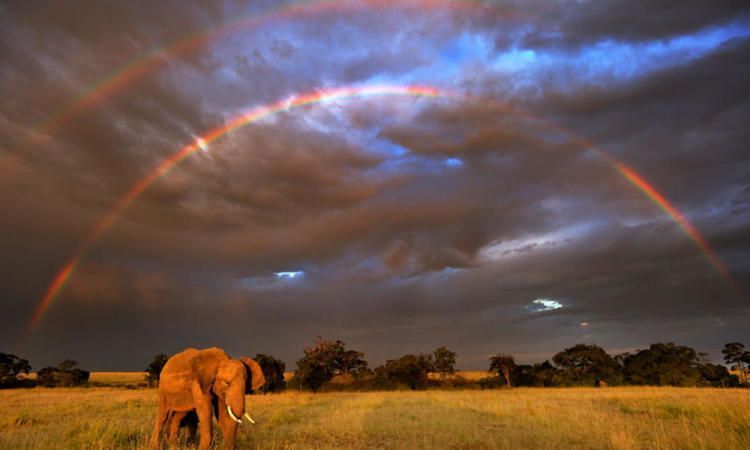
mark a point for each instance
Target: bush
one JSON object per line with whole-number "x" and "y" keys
{"x": 64, "y": 375}
{"x": 409, "y": 370}
{"x": 717, "y": 376}
{"x": 10, "y": 367}
{"x": 492, "y": 383}
{"x": 326, "y": 359}
{"x": 586, "y": 365}
{"x": 663, "y": 364}
{"x": 273, "y": 371}
{"x": 154, "y": 369}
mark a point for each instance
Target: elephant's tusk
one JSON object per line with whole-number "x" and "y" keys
{"x": 249, "y": 418}
{"x": 231, "y": 414}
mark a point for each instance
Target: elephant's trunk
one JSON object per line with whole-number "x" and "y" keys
{"x": 233, "y": 416}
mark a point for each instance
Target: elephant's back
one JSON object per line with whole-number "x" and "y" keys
{"x": 179, "y": 361}
{"x": 189, "y": 360}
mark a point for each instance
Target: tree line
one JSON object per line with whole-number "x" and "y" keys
{"x": 330, "y": 365}
{"x": 13, "y": 369}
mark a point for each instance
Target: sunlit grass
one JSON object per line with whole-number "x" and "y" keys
{"x": 619, "y": 418}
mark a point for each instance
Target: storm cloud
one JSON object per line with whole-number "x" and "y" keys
{"x": 409, "y": 222}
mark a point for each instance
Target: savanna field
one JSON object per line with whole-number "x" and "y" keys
{"x": 110, "y": 414}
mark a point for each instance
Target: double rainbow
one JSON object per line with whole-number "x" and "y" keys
{"x": 258, "y": 113}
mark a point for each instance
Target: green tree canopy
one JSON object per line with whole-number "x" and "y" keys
{"x": 444, "y": 360}
{"x": 587, "y": 364}
{"x": 663, "y": 364}
{"x": 324, "y": 360}
{"x": 410, "y": 370}
{"x": 504, "y": 365}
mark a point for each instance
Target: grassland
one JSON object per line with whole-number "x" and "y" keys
{"x": 619, "y": 418}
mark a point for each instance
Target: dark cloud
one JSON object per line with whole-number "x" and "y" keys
{"x": 415, "y": 222}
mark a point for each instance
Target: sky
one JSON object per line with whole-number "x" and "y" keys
{"x": 488, "y": 212}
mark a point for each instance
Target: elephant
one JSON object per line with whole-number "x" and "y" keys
{"x": 209, "y": 382}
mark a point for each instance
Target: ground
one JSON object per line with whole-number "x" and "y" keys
{"x": 620, "y": 418}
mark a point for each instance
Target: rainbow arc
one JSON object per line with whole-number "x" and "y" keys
{"x": 350, "y": 92}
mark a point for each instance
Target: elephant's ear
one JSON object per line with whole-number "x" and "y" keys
{"x": 256, "y": 378}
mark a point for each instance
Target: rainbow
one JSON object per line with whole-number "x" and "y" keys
{"x": 140, "y": 67}
{"x": 253, "y": 115}
{"x": 261, "y": 112}
{"x": 690, "y": 230}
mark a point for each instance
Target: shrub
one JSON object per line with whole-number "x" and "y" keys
{"x": 154, "y": 368}
{"x": 273, "y": 371}
{"x": 324, "y": 360}
{"x": 409, "y": 370}
{"x": 65, "y": 374}
{"x": 587, "y": 365}
{"x": 663, "y": 364}
{"x": 10, "y": 367}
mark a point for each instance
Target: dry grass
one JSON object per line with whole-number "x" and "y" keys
{"x": 618, "y": 418}
{"x": 112, "y": 379}
{"x": 117, "y": 378}
{"x": 469, "y": 375}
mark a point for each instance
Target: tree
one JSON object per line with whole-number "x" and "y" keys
{"x": 445, "y": 361}
{"x": 410, "y": 370}
{"x": 523, "y": 375}
{"x": 588, "y": 364}
{"x": 504, "y": 365}
{"x": 663, "y": 364}
{"x": 67, "y": 365}
{"x": 154, "y": 368}
{"x": 717, "y": 375}
{"x": 65, "y": 374}
{"x": 324, "y": 360}
{"x": 739, "y": 359}
{"x": 352, "y": 362}
{"x": 547, "y": 375}
{"x": 273, "y": 371}
{"x": 10, "y": 367}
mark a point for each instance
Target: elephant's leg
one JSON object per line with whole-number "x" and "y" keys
{"x": 205, "y": 417}
{"x": 227, "y": 425}
{"x": 173, "y": 430}
{"x": 161, "y": 418}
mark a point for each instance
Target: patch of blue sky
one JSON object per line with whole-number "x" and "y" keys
{"x": 453, "y": 162}
{"x": 466, "y": 47}
{"x": 612, "y": 60}
{"x": 515, "y": 59}
{"x": 410, "y": 163}
{"x": 449, "y": 62}
{"x": 389, "y": 148}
